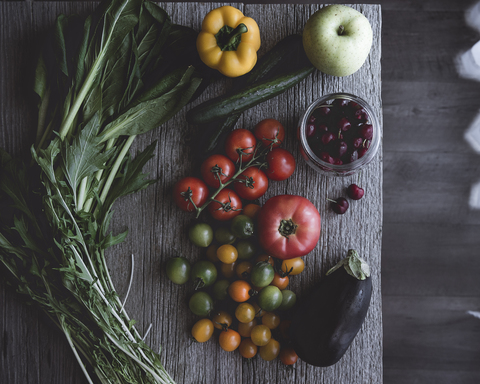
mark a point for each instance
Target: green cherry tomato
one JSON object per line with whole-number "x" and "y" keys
{"x": 262, "y": 274}
{"x": 242, "y": 226}
{"x": 201, "y": 234}
{"x": 201, "y": 303}
{"x": 288, "y": 300}
{"x": 246, "y": 249}
{"x": 203, "y": 274}
{"x": 220, "y": 289}
{"x": 270, "y": 298}
{"x": 178, "y": 270}
{"x": 224, "y": 235}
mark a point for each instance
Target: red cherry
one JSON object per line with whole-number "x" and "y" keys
{"x": 340, "y": 205}
{"x": 355, "y": 192}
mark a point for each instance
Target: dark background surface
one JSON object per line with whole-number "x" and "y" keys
{"x": 430, "y": 253}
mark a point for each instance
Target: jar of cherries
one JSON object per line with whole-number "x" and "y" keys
{"x": 339, "y": 134}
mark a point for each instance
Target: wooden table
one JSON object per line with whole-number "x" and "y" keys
{"x": 34, "y": 352}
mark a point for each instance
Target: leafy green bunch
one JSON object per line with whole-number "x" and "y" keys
{"x": 101, "y": 80}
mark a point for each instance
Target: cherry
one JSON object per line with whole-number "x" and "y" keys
{"x": 339, "y": 206}
{"x": 366, "y": 131}
{"x": 322, "y": 128}
{"x": 339, "y": 148}
{"x": 324, "y": 111}
{"x": 344, "y": 124}
{"x": 357, "y": 142}
{"x": 310, "y": 131}
{"x": 327, "y": 137}
{"x": 361, "y": 114}
{"x": 355, "y": 192}
{"x": 324, "y": 156}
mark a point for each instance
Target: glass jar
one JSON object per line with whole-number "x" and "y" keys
{"x": 329, "y": 165}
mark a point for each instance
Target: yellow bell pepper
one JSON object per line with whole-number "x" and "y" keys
{"x": 229, "y": 41}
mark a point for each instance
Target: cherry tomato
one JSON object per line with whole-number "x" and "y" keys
{"x": 212, "y": 253}
{"x": 243, "y": 270}
{"x": 246, "y": 249}
{"x": 200, "y": 234}
{"x": 187, "y": 190}
{"x": 267, "y": 258}
{"x": 222, "y": 320}
{"x": 259, "y": 312}
{"x": 269, "y": 132}
{"x": 247, "y": 349}
{"x": 288, "y": 356}
{"x": 201, "y": 303}
{"x": 245, "y": 312}
{"x": 279, "y": 281}
{"x": 226, "y": 205}
{"x": 271, "y": 320}
{"x": 270, "y": 298}
{"x": 242, "y": 226}
{"x": 283, "y": 328}
{"x": 270, "y": 351}
{"x": 224, "y": 235}
{"x": 281, "y": 164}
{"x": 261, "y": 335}
{"x": 288, "y": 300}
{"x": 202, "y": 330}
{"x": 293, "y": 266}
{"x": 239, "y": 291}
{"x": 288, "y": 226}
{"x": 227, "y": 253}
{"x": 220, "y": 289}
{"x": 262, "y": 274}
{"x": 215, "y": 168}
{"x": 178, "y": 270}
{"x": 251, "y": 210}
{"x": 203, "y": 274}
{"x": 252, "y": 184}
{"x": 229, "y": 340}
{"x": 228, "y": 270}
{"x": 245, "y": 329}
{"x": 240, "y": 143}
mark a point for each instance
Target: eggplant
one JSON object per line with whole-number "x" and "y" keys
{"x": 327, "y": 320}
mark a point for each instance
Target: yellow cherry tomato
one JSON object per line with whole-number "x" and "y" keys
{"x": 261, "y": 335}
{"x": 245, "y": 312}
{"x": 293, "y": 266}
{"x": 202, "y": 330}
{"x": 227, "y": 253}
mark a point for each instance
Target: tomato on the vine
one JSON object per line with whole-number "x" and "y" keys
{"x": 188, "y": 190}
{"x": 240, "y": 142}
{"x": 215, "y": 168}
{"x": 225, "y": 206}
{"x": 269, "y": 132}
{"x": 288, "y": 226}
{"x": 252, "y": 184}
{"x": 280, "y": 164}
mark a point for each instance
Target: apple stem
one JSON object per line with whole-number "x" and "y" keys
{"x": 341, "y": 29}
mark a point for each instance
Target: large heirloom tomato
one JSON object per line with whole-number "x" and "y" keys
{"x": 288, "y": 226}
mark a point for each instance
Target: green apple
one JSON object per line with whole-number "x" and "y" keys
{"x": 337, "y": 40}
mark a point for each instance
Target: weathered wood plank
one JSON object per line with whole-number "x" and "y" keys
{"x": 158, "y": 229}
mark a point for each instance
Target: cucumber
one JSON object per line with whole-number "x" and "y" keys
{"x": 224, "y": 106}
{"x": 211, "y": 136}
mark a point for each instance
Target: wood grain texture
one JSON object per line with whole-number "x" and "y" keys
{"x": 157, "y": 229}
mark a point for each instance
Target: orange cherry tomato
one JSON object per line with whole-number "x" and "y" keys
{"x": 243, "y": 270}
{"x": 279, "y": 281}
{"x": 229, "y": 340}
{"x": 239, "y": 291}
{"x": 245, "y": 329}
{"x": 227, "y": 270}
{"x": 202, "y": 330}
{"x": 293, "y": 266}
{"x": 222, "y": 320}
{"x": 288, "y": 356}
{"x": 247, "y": 349}
{"x": 251, "y": 210}
{"x": 271, "y": 320}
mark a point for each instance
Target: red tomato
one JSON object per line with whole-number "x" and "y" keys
{"x": 288, "y": 226}
{"x": 269, "y": 132}
{"x": 217, "y": 167}
{"x": 225, "y": 206}
{"x": 187, "y": 190}
{"x": 240, "y": 141}
{"x": 255, "y": 185}
{"x": 281, "y": 164}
